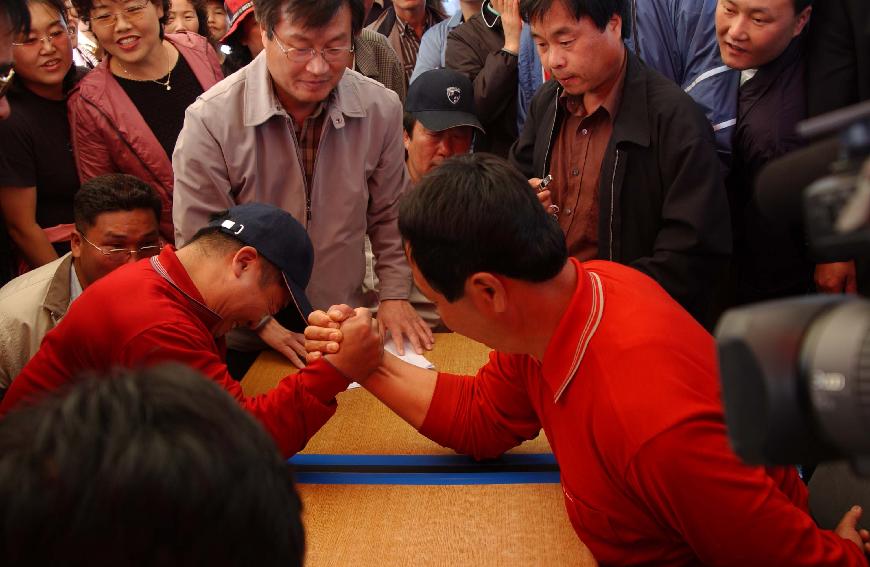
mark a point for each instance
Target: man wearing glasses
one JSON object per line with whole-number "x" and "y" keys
{"x": 116, "y": 219}
{"x": 297, "y": 129}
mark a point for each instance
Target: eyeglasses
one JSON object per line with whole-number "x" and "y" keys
{"x": 130, "y": 13}
{"x": 120, "y": 255}
{"x": 6, "y": 79}
{"x": 306, "y": 54}
{"x": 49, "y": 38}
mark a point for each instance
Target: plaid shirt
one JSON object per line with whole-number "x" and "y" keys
{"x": 307, "y": 141}
{"x": 404, "y": 40}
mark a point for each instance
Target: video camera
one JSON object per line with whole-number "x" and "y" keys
{"x": 796, "y": 372}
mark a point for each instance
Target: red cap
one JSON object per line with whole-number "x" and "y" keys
{"x": 238, "y": 10}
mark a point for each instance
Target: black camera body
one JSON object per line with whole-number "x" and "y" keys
{"x": 796, "y": 372}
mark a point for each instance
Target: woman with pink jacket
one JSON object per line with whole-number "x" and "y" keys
{"x": 125, "y": 116}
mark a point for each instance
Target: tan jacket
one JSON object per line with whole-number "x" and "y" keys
{"x": 30, "y": 306}
{"x": 237, "y": 146}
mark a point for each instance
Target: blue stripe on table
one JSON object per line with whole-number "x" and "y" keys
{"x": 430, "y": 479}
{"x": 424, "y": 469}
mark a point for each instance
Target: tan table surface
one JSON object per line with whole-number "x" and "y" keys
{"x": 362, "y": 424}
{"x": 412, "y": 525}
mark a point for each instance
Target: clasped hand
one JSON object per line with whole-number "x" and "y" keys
{"x": 348, "y": 338}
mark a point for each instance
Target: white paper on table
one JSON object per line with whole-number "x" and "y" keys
{"x": 410, "y": 356}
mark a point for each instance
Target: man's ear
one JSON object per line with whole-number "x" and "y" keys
{"x": 487, "y": 292}
{"x": 243, "y": 260}
{"x": 802, "y": 20}
{"x": 75, "y": 244}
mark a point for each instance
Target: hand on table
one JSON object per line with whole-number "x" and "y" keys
{"x": 848, "y": 529}
{"x": 836, "y": 277}
{"x": 288, "y": 343}
{"x": 349, "y": 338}
{"x": 399, "y": 318}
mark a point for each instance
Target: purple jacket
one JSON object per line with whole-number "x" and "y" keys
{"x": 109, "y": 134}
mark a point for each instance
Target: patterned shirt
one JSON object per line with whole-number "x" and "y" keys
{"x": 404, "y": 39}
{"x": 307, "y": 142}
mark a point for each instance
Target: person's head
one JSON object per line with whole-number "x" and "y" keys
{"x": 257, "y": 259}
{"x": 469, "y": 225}
{"x": 243, "y": 34}
{"x": 752, "y": 33}
{"x": 216, "y": 19}
{"x": 308, "y": 46}
{"x": 145, "y": 467}
{"x": 566, "y": 32}
{"x": 43, "y": 56}
{"x": 114, "y": 215}
{"x": 187, "y": 15}
{"x": 439, "y": 121}
{"x": 73, "y": 22}
{"x": 131, "y": 30}
{"x": 14, "y": 19}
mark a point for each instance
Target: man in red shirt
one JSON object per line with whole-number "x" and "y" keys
{"x": 622, "y": 380}
{"x": 238, "y": 271}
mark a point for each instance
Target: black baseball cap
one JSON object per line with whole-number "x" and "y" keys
{"x": 279, "y": 238}
{"x": 442, "y": 99}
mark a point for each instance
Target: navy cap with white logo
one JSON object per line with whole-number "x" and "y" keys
{"x": 279, "y": 238}
{"x": 442, "y": 99}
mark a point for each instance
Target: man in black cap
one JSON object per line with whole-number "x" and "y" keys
{"x": 243, "y": 267}
{"x": 440, "y": 120}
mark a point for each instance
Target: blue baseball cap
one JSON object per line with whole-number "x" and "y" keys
{"x": 282, "y": 240}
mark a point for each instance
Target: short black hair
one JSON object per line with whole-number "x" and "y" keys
{"x": 477, "y": 213}
{"x": 315, "y": 13}
{"x": 408, "y": 122}
{"x": 84, "y": 8}
{"x": 17, "y": 14}
{"x": 110, "y": 193}
{"x": 801, "y": 5}
{"x": 144, "y": 467}
{"x": 599, "y": 11}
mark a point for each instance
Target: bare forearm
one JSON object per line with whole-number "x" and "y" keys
{"x": 404, "y": 388}
{"x": 32, "y": 244}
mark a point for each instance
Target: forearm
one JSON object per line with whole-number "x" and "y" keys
{"x": 32, "y": 244}
{"x": 404, "y": 388}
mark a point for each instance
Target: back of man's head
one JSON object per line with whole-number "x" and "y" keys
{"x": 152, "y": 467}
{"x": 476, "y": 213}
{"x": 599, "y": 11}
{"x": 111, "y": 193}
{"x": 314, "y": 13}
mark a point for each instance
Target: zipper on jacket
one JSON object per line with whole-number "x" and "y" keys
{"x": 612, "y": 204}
{"x": 550, "y": 139}
{"x": 302, "y": 170}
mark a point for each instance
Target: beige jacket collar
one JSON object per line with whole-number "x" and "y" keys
{"x": 57, "y": 297}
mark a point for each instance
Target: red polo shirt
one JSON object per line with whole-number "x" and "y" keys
{"x": 151, "y": 312}
{"x": 628, "y": 395}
